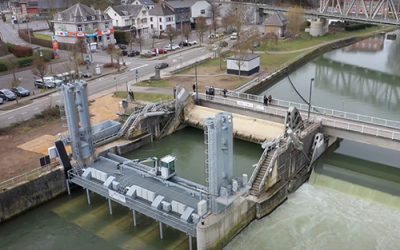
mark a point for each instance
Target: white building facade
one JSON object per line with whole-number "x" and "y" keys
{"x": 161, "y": 17}
{"x": 82, "y": 22}
{"x": 130, "y": 17}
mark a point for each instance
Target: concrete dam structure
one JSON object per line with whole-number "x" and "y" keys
{"x": 212, "y": 213}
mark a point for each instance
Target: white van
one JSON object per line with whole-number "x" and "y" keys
{"x": 234, "y": 36}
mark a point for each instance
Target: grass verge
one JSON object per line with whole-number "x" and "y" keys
{"x": 42, "y": 36}
{"x": 163, "y": 83}
{"x": 147, "y": 97}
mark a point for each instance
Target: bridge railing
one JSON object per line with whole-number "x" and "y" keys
{"x": 315, "y": 109}
{"x": 326, "y": 120}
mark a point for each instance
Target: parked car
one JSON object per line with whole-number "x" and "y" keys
{"x": 124, "y": 52}
{"x": 85, "y": 74}
{"x": 122, "y": 46}
{"x": 212, "y": 36}
{"x": 184, "y": 44}
{"x": 162, "y": 65}
{"x": 223, "y": 44}
{"x": 7, "y": 95}
{"x": 234, "y": 36}
{"x": 159, "y": 51}
{"x": 21, "y": 91}
{"x": 191, "y": 43}
{"x": 46, "y": 84}
{"x": 146, "y": 53}
{"x": 133, "y": 53}
{"x": 1, "y": 101}
{"x": 172, "y": 47}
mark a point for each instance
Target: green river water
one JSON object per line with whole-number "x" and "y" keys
{"x": 352, "y": 200}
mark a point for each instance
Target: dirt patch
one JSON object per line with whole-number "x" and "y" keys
{"x": 221, "y": 81}
{"x": 14, "y": 160}
{"x": 23, "y": 145}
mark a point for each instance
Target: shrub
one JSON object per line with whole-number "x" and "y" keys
{"x": 110, "y": 65}
{"x": 120, "y": 37}
{"x": 25, "y": 62}
{"x": 47, "y": 55}
{"x": 20, "y": 51}
{"x": 3, "y": 67}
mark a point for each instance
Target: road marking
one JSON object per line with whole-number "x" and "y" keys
{"x": 11, "y": 117}
{"x": 37, "y": 108}
{"x": 138, "y": 67}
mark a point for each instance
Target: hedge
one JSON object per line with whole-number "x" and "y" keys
{"x": 19, "y": 51}
{"x": 3, "y": 67}
{"x": 25, "y": 62}
{"x": 47, "y": 54}
{"x": 121, "y": 37}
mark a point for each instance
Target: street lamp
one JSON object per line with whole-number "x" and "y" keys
{"x": 309, "y": 100}
{"x": 197, "y": 89}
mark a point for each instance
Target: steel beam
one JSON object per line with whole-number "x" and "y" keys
{"x": 161, "y": 231}
{"x": 88, "y": 196}
{"x": 68, "y": 189}
{"x": 190, "y": 242}
{"x": 110, "y": 206}
{"x": 134, "y": 217}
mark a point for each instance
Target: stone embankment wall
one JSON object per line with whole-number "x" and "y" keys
{"x": 30, "y": 194}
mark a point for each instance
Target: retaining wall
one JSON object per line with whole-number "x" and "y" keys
{"x": 30, "y": 194}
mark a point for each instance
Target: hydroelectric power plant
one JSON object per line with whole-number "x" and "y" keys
{"x": 288, "y": 143}
{"x": 215, "y": 212}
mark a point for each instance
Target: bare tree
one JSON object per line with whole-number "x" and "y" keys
{"x": 201, "y": 28}
{"x": 130, "y": 39}
{"x": 295, "y": 20}
{"x": 39, "y": 67}
{"x": 170, "y": 32}
{"x": 110, "y": 51}
{"x": 226, "y": 22}
{"x": 238, "y": 16}
{"x": 186, "y": 30}
{"x": 139, "y": 41}
{"x": 12, "y": 65}
{"x": 214, "y": 14}
{"x": 153, "y": 37}
{"x": 254, "y": 38}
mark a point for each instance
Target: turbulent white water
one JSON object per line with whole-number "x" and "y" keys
{"x": 320, "y": 218}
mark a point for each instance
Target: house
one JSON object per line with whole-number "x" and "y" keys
{"x": 39, "y": 7}
{"x": 81, "y": 21}
{"x": 244, "y": 65}
{"x": 187, "y": 11}
{"x": 148, "y": 3}
{"x": 130, "y": 17}
{"x": 276, "y": 24}
{"x": 161, "y": 17}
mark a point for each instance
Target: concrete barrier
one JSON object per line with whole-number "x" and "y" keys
{"x": 23, "y": 197}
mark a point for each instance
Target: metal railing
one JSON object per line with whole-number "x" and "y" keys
{"x": 26, "y": 177}
{"x": 316, "y": 109}
{"x": 367, "y": 128}
{"x": 258, "y": 167}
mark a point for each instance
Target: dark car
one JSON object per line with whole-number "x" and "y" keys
{"x": 46, "y": 84}
{"x": 162, "y": 65}
{"x": 133, "y": 53}
{"x": 122, "y": 46}
{"x": 184, "y": 44}
{"x": 7, "y": 95}
{"x": 20, "y": 91}
{"x": 124, "y": 52}
{"x": 85, "y": 74}
{"x": 1, "y": 101}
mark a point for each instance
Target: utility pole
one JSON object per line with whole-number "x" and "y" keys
{"x": 309, "y": 99}
{"x": 197, "y": 88}
{"x": 29, "y": 32}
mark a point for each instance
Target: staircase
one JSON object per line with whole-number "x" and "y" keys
{"x": 262, "y": 171}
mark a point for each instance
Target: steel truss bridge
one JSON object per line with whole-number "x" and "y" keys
{"x": 378, "y": 12}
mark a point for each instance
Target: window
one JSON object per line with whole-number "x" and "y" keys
{"x": 202, "y": 12}
{"x": 151, "y": 26}
{"x": 106, "y": 25}
{"x": 160, "y": 27}
{"x": 79, "y": 27}
{"x": 86, "y": 26}
{"x": 151, "y": 19}
{"x": 160, "y": 19}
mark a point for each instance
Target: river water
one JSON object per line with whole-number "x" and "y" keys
{"x": 352, "y": 200}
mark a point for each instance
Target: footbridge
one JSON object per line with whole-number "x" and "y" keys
{"x": 360, "y": 128}
{"x": 378, "y": 12}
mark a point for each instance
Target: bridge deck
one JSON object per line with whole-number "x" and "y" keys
{"x": 380, "y": 132}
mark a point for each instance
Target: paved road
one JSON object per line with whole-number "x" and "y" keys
{"x": 107, "y": 83}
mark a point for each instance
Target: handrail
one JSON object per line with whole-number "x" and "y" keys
{"x": 267, "y": 171}
{"x": 257, "y": 168}
{"x": 321, "y": 110}
{"x": 27, "y": 176}
{"x": 386, "y": 133}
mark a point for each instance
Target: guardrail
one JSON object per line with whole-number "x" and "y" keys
{"x": 341, "y": 124}
{"x": 315, "y": 109}
{"x": 26, "y": 177}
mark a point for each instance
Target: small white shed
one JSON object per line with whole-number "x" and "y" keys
{"x": 247, "y": 64}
